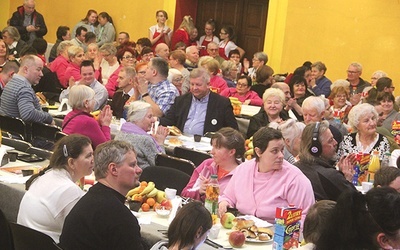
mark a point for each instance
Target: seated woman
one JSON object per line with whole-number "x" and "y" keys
{"x": 243, "y": 92}
{"x": 189, "y": 228}
{"x": 217, "y": 83}
{"x": 298, "y": 89}
{"x": 365, "y": 139}
{"x": 291, "y": 132}
{"x": 53, "y": 192}
{"x": 109, "y": 63}
{"x": 272, "y": 111}
{"x": 387, "y": 103}
{"x": 80, "y": 121}
{"x": 176, "y": 78}
{"x": 140, "y": 120}
{"x": 261, "y": 185}
{"x": 229, "y": 72}
{"x": 227, "y": 148}
{"x": 73, "y": 72}
{"x": 388, "y": 177}
{"x": 264, "y": 80}
{"x": 363, "y": 222}
{"x": 341, "y": 107}
{"x": 60, "y": 64}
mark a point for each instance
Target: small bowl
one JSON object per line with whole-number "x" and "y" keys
{"x": 27, "y": 172}
{"x": 134, "y": 205}
{"x": 162, "y": 211}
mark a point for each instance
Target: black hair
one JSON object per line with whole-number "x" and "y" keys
{"x": 61, "y": 31}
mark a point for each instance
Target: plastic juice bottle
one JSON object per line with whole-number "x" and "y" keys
{"x": 212, "y": 194}
{"x": 374, "y": 165}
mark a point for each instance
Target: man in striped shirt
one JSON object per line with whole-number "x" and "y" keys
{"x": 19, "y": 99}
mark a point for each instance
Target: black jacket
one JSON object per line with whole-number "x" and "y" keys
{"x": 17, "y": 20}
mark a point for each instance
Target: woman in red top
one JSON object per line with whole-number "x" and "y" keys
{"x": 160, "y": 33}
{"x": 209, "y": 29}
{"x": 182, "y": 33}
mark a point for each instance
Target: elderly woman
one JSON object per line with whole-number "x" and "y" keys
{"x": 80, "y": 121}
{"x": 229, "y": 73}
{"x": 243, "y": 92}
{"x": 364, "y": 139}
{"x": 92, "y": 52}
{"x": 160, "y": 33}
{"x": 73, "y": 72}
{"x": 60, "y": 64}
{"x": 89, "y": 22}
{"x": 176, "y": 61}
{"x": 126, "y": 57}
{"x": 227, "y": 150}
{"x": 105, "y": 30}
{"x": 272, "y": 111}
{"x": 341, "y": 106}
{"x": 176, "y": 78}
{"x": 261, "y": 185}
{"x": 217, "y": 84}
{"x": 109, "y": 63}
{"x": 140, "y": 120}
{"x": 386, "y": 100}
{"x": 3, "y": 54}
{"x": 376, "y": 75}
{"x": 319, "y": 84}
{"x": 13, "y": 41}
{"x": 291, "y": 132}
{"x": 53, "y": 192}
{"x": 298, "y": 89}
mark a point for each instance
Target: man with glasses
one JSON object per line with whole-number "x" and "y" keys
{"x": 213, "y": 51}
{"x": 357, "y": 84}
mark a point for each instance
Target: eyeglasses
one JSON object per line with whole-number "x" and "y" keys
{"x": 352, "y": 72}
{"x": 242, "y": 85}
{"x": 177, "y": 79}
{"x": 341, "y": 96}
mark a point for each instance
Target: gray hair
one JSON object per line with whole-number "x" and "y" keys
{"x": 314, "y": 102}
{"x": 261, "y": 56}
{"x": 320, "y": 66}
{"x": 130, "y": 72}
{"x": 212, "y": 43}
{"x": 78, "y": 94}
{"x": 274, "y": 92}
{"x": 359, "y": 111}
{"x": 291, "y": 129}
{"x": 340, "y": 83}
{"x": 379, "y": 74}
{"x": 13, "y": 32}
{"x": 63, "y": 46}
{"x": 200, "y": 72}
{"x": 137, "y": 110}
{"x": 226, "y": 67}
{"x": 357, "y": 65}
{"x": 108, "y": 47}
{"x": 188, "y": 49}
{"x": 172, "y": 73}
{"x": 110, "y": 152}
{"x": 74, "y": 50}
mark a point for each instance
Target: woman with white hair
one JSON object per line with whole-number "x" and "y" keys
{"x": 291, "y": 132}
{"x": 140, "y": 120}
{"x": 272, "y": 111}
{"x": 176, "y": 78}
{"x": 363, "y": 119}
{"x": 80, "y": 121}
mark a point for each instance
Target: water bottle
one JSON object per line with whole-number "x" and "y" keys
{"x": 212, "y": 194}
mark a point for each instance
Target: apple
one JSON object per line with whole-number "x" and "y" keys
{"x": 167, "y": 204}
{"x": 237, "y": 239}
{"x": 227, "y": 220}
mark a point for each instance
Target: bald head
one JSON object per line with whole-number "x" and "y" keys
{"x": 284, "y": 87}
{"x": 162, "y": 51}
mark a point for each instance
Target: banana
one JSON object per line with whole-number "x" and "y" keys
{"x": 152, "y": 193}
{"x": 133, "y": 191}
{"x": 250, "y": 145}
{"x": 249, "y": 152}
{"x": 233, "y": 98}
{"x": 95, "y": 113}
{"x": 148, "y": 189}
{"x": 160, "y": 196}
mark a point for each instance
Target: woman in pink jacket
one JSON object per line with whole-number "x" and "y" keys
{"x": 227, "y": 147}
{"x": 261, "y": 185}
{"x": 243, "y": 93}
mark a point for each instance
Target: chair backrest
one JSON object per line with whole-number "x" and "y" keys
{"x": 16, "y": 127}
{"x": 6, "y": 240}
{"x": 197, "y": 157}
{"x": 40, "y": 152}
{"x": 17, "y": 144}
{"x": 183, "y": 165}
{"x": 44, "y": 131}
{"x": 28, "y": 238}
{"x": 60, "y": 135}
{"x": 165, "y": 177}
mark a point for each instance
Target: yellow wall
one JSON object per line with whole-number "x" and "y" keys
{"x": 135, "y": 17}
{"x": 4, "y": 6}
{"x": 336, "y": 32}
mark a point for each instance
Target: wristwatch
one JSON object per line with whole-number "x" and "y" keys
{"x": 144, "y": 95}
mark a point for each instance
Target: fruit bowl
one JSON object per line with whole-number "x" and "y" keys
{"x": 163, "y": 211}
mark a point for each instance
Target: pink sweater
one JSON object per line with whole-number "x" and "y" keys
{"x": 259, "y": 194}
{"x": 112, "y": 84}
{"x": 206, "y": 168}
{"x": 250, "y": 95}
{"x": 59, "y": 66}
{"x": 85, "y": 124}
{"x": 74, "y": 71}
{"x": 217, "y": 84}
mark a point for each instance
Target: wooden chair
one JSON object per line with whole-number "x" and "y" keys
{"x": 17, "y": 144}
{"x": 28, "y": 238}
{"x": 183, "y": 165}
{"x": 165, "y": 177}
{"x": 197, "y": 157}
{"x": 16, "y": 127}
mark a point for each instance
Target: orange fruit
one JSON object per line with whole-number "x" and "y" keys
{"x": 248, "y": 157}
{"x": 151, "y": 201}
{"x": 137, "y": 197}
{"x": 145, "y": 207}
{"x": 156, "y": 205}
{"x": 247, "y": 141}
{"x": 143, "y": 184}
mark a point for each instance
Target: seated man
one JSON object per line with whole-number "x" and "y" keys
{"x": 88, "y": 78}
{"x": 157, "y": 90}
{"x": 19, "y": 99}
{"x": 317, "y": 152}
{"x": 6, "y": 74}
{"x": 100, "y": 220}
{"x": 126, "y": 79}
{"x": 192, "y": 58}
{"x": 79, "y": 39}
{"x": 200, "y": 111}
{"x": 162, "y": 51}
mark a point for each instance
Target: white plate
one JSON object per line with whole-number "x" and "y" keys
{"x": 258, "y": 241}
{"x": 258, "y": 222}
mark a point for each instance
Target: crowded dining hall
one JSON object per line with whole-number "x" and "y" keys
{"x": 177, "y": 125}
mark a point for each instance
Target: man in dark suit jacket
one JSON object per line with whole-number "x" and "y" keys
{"x": 187, "y": 112}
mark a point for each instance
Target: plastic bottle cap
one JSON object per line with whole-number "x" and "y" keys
{"x": 214, "y": 176}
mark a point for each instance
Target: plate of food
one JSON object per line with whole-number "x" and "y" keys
{"x": 254, "y": 229}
